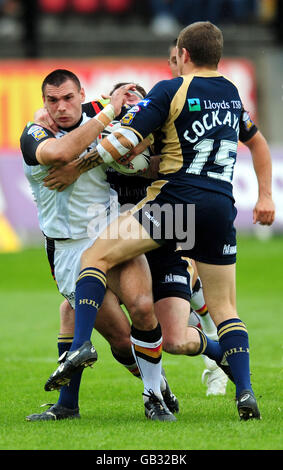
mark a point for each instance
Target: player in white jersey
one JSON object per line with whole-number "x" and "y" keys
{"x": 72, "y": 219}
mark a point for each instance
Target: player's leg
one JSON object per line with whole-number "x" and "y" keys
{"x": 113, "y": 324}
{"x": 232, "y": 332}
{"x": 146, "y": 343}
{"x": 178, "y": 337}
{"x": 122, "y": 240}
{"x": 213, "y": 376}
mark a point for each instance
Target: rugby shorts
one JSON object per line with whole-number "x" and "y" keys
{"x": 64, "y": 257}
{"x": 199, "y": 221}
{"x": 171, "y": 274}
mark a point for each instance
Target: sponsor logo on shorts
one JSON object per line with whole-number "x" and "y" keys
{"x": 175, "y": 278}
{"x": 152, "y": 219}
{"x": 229, "y": 250}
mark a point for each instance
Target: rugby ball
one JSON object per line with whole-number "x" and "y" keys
{"x": 137, "y": 166}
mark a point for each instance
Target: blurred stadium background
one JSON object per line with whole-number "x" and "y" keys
{"x": 107, "y": 41}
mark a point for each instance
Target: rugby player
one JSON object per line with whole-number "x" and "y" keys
{"x": 66, "y": 218}
{"x": 198, "y": 114}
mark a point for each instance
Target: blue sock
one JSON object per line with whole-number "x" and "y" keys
{"x": 208, "y": 347}
{"x": 90, "y": 291}
{"x": 234, "y": 341}
{"x": 69, "y": 395}
{"x": 64, "y": 343}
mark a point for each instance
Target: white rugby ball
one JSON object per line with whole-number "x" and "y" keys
{"x": 137, "y": 166}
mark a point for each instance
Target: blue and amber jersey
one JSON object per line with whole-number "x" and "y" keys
{"x": 197, "y": 120}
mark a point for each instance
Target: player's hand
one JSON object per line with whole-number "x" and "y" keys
{"x": 264, "y": 211}
{"x": 120, "y": 97}
{"x": 43, "y": 118}
{"x": 62, "y": 177}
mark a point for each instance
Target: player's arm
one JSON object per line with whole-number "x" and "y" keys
{"x": 61, "y": 177}
{"x": 149, "y": 115}
{"x": 67, "y": 148}
{"x": 264, "y": 210}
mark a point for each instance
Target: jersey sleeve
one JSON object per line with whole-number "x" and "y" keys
{"x": 247, "y": 127}
{"x": 151, "y": 112}
{"x": 31, "y": 137}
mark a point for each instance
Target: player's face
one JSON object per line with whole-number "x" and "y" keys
{"x": 172, "y": 62}
{"x": 133, "y": 99}
{"x": 64, "y": 103}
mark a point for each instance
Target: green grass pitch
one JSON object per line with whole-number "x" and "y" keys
{"x": 112, "y": 414}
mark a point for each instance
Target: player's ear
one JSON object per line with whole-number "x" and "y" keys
{"x": 186, "y": 54}
{"x": 82, "y": 92}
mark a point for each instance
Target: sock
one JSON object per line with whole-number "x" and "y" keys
{"x": 208, "y": 347}
{"x": 198, "y": 304}
{"x": 147, "y": 350}
{"x": 69, "y": 394}
{"x": 90, "y": 291}
{"x": 64, "y": 342}
{"x": 234, "y": 341}
{"x": 131, "y": 365}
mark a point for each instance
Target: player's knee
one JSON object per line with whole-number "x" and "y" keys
{"x": 141, "y": 310}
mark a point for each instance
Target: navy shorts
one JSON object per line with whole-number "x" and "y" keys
{"x": 199, "y": 221}
{"x": 171, "y": 273}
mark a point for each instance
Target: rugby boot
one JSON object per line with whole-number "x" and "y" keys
{"x": 169, "y": 398}
{"x": 214, "y": 378}
{"x": 75, "y": 361}
{"x": 54, "y": 413}
{"x": 247, "y": 406}
{"x": 156, "y": 409}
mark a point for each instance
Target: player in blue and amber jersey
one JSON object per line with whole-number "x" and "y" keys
{"x": 192, "y": 203}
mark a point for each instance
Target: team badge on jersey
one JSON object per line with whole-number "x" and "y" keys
{"x": 127, "y": 119}
{"x": 37, "y": 132}
{"x": 144, "y": 103}
{"x": 248, "y": 123}
{"x": 194, "y": 104}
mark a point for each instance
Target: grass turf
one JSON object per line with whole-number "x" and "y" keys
{"x": 110, "y": 399}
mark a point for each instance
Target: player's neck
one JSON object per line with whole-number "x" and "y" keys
{"x": 196, "y": 70}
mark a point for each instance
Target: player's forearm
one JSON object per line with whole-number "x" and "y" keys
{"x": 67, "y": 148}
{"x": 262, "y": 165}
{"x": 88, "y": 161}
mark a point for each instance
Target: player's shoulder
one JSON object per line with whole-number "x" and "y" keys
{"x": 171, "y": 84}
{"x": 36, "y": 132}
{"x": 94, "y": 107}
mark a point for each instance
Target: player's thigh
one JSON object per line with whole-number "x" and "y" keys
{"x": 122, "y": 240}
{"x": 219, "y": 288}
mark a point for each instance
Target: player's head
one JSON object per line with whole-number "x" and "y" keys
{"x": 172, "y": 59}
{"x": 199, "y": 44}
{"x": 134, "y": 96}
{"x": 63, "y": 97}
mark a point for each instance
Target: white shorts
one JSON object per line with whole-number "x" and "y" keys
{"x": 67, "y": 265}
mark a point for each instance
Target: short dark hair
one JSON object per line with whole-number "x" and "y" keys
{"x": 139, "y": 88}
{"x": 204, "y": 42}
{"x": 59, "y": 76}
